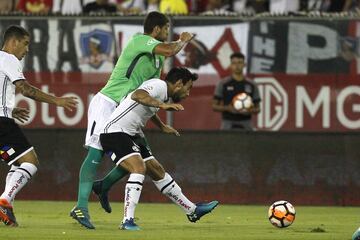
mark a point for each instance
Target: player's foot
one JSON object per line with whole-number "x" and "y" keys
{"x": 129, "y": 224}
{"x": 202, "y": 209}
{"x": 356, "y": 235}
{"x": 103, "y": 196}
{"x": 82, "y": 216}
{"x": 6, "y": 213}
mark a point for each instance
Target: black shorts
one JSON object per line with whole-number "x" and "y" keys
{"x": 13, "y": 143}
{"x": 119, "y": 146}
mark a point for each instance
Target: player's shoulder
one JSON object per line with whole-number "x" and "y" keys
{"x": 155, "y": 82}
{"x": 8, "y": 58}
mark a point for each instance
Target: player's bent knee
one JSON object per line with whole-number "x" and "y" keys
{"x": 29, "y": 157}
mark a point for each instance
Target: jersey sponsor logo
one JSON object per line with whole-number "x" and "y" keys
{"x": 157, "y": 63}
{"x": 135, "y": 148}
{"x": 149, "y": 88}
{"x": 151, "y": 42}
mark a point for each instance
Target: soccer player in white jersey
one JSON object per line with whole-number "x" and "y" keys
{"x": 15, "y": 149}
{"x": 124, "y": 142}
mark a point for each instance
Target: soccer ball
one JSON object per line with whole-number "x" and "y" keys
{"x": 242, "y": 101}
{"x": 281, "y": 214}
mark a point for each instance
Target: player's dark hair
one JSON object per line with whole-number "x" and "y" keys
{"x": 15, "y": 31}
{"x": 178, "y": 73}
{"x": 154, "y": 19}
{"x": 237, "y": 55}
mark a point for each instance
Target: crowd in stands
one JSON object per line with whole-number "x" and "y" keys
{"x": 185, "y": 7}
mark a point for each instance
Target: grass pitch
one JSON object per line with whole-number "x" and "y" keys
{"x": 50, "y": 220}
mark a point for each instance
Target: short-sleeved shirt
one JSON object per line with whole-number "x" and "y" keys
{"x": 10, "y": 72}
{"x": 227, "y": 89}
{"x": 130, "y": 116}
{"x": 136, "y": 64}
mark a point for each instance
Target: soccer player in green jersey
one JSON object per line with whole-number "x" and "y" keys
{"x": 141, "y": 60}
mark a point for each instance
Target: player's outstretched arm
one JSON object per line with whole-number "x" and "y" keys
{"x": 172, "y": 48}
{"x": 34, "y": 93}
{"x": 143, "y": 97}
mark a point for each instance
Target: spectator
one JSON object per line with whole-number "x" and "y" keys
{"x": 239, "y": 5}
{"x": 99, "y": 6}
{"x": 137, "y": 6}
{"x": 338, "y": 5}
{"x": 67, "y": 6}
{"x": 152, "y": 5}
{"x": 35, "y": 6}
{"x": 217, "y": 5}
{"x": 356, "y": 7}
{"x": 226, "y": 90}
{"x": 66, "y": 32}
{"x": 284, "y": 6}
{"x": 7, "y": 6}
{"x": 39, "y": 47}
{"x": 173, "y": 7}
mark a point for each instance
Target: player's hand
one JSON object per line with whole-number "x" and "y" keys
{"x": 230, "y": 108}
{"x": 21, "y": 114}
{"x": 186, "y": 36}
{"x": 68, "y": 103}
{"x": 171, "y": 107}
{"x": 170, "y": 130}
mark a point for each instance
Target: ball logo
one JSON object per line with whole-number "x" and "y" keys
{"x": 135, "y": 148}
{"x": 273, "y": 114}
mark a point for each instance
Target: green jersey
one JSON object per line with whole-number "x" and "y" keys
{"x": 136, "y": 64}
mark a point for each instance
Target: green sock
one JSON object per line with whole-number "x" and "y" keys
{"x": 112, "y": 177}
{"x": 87, "y": 176}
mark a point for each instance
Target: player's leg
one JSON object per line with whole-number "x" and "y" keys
{"x": 167, "y": 185}
{"x": 8, "y": 177}
{"x": 136, "y": 167}
{"x": 16, "y": 151}
{"x": 28, "y": 165}
{"x": 103, "y": 186}
{"x": 99, "y": 109}
{"x": 125, "y": 153}
{"x": 86, "y": 178}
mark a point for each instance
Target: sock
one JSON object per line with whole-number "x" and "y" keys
{"x": 112, "y": 177}
{"x": 133, "y": 189}
{"x": 18, "y": 180}
{"x": 87, "y": 176}
{"x": 171, "y": 189}
{"x": 8, "y": 177}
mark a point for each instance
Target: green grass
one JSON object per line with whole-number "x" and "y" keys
{"x": 50, "y": 220}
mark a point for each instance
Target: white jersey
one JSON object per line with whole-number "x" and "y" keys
{"x": 10, "y": 71}
{"x": 130, "y": 116}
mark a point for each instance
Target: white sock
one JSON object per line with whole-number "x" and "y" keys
{"x": 8, "y": 176}
{"x": 18, "y": 180}
{"x": 171, "y": 189}
{"x": 133, "y": 189}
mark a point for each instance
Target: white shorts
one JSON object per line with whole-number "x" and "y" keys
{"x": 100, "y": 109}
